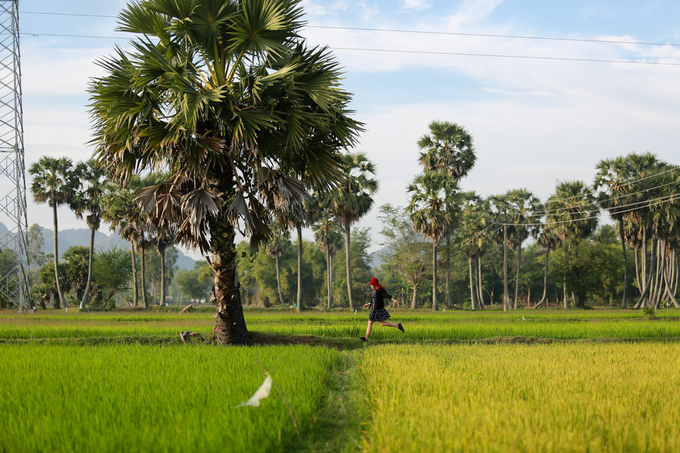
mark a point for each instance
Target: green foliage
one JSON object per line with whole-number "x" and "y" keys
{"x": 75, "y": 269}
{"x": 650, "y": 312}
{"x": 8, "y": 263}
{"x": 111, "y": 273}
{"x": 196, "y": 283}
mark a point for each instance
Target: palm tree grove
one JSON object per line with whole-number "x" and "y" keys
{"x": 248, "y": 205}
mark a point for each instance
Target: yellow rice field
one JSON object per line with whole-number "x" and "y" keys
{"x": 603, "y": 397}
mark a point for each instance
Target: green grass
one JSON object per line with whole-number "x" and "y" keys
{"x": 452, "y": 326}
{"x": 523, "y": 398}
{"x": 143, "y": 398}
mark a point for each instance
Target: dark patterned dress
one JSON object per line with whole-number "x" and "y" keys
{"x": 378, "y": 312}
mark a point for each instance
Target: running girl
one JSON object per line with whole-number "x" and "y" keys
{"x": 377, "y": 306}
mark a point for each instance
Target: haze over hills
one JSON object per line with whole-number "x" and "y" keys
{"x": 102, "y": 241}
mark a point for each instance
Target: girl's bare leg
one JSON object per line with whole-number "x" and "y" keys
{"x": 388, "y": 324}
{"x": 369, "y": 328}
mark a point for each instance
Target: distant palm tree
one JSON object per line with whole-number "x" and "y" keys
{"x": 524, "y": 215}
{"x": 431, "y": 194}
{"x": 572, "y": 215}
{"x": 89, "y": 199}
{"x": 548, "y": 239}
{"x": 449, "y": 147}
{"x": 123, "y": 212}
{"x": 613, "y": 179}
{"x": 54, "y": 183}
{"x": 351, "y": 200}
{"x": 329, "y": 238}
{"x": 161, "y": 234}
{"x": 275, "y": 247}
{"x": 474, "y": 237}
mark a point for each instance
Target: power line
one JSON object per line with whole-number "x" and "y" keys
{"x": 422, "y": 32}
{"x": 37, "y": 35}
{"x": 67, "y": 14}
{"x": 418, "y": 52}
{"x": 486, "y": 35}
{"x": 525, "y": 57}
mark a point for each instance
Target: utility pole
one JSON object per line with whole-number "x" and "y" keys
{"x": 14, "y": 281}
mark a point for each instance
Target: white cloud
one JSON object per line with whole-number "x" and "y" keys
{"x": 517, "y": 93}
{"x": 416, "y": 5}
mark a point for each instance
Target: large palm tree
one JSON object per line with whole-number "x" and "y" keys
{"x": 431, "y": 209}
{"x": 89, "y": 200}
{"x": 225, "y": 95}
{"x": 55, "y": 183}
{"x": 351, "y": 200}
{"x": 572, "y": 215}
{"x": 449, "y": 147}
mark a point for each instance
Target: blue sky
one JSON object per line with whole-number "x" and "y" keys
{"x": 534, "y": 121}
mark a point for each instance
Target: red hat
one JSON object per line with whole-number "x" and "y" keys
{"x": 375, "y": 282}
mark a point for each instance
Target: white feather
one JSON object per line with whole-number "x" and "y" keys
{"x": 261, "y": 393}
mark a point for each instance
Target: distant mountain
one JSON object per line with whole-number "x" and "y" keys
{"x": 102, "y": 241}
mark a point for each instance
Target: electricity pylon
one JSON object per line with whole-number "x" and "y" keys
{"x": 14, "y": 279}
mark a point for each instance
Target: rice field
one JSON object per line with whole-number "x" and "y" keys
{"x": 136, "y": 398}
{"x": 442, "y": 386}
{"x": 523, "y": 398}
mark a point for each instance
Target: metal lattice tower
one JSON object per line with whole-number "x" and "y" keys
{"x": 14, "y": 281}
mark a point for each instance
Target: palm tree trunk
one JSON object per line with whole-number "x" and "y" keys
{"x": 643, "y": 263}
{"x": 434, "y": 276}
{"x": 347, "y": 262}
{"x": 669, "y": 293}
{"x": 161, "y": 252}
{"x": 448, "y": 270}
{"x": 299, "y": 271}
{"x": 657, "y": 274}
{"x": 86, "y": 296}
{"x": 506, "y": 302}
{"x": 638, "y": 277}
{"x": 545, "y": 278}
{"x": 278, "y": 280}
{"x": 414, "y": 298}
{"x": 62, "y": 301}
{"x": 519, "y": 264}
{"x": 566, "y": 296}
{"x": 645, "y": 298}
{"x": 472, "y": 285}
{"x": 135, "y": 291}
{"x": 231, "y": 325}
{"x": 143, "y": 279}
{"x": 329, "y": 270}
{"x": 625, "y": 263}
{"x": 674, "y": 272}
{"x": 480, "y": 298}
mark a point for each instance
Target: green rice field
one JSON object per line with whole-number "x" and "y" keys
{"x": 522, "y": 381}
